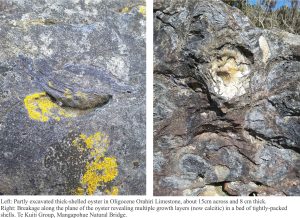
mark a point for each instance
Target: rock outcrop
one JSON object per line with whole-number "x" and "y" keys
{"x": 72, "y": 96}
{"x": 226, "y": 103}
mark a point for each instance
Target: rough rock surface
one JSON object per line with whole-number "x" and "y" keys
{"x": 72, "y": 96}
{"x": 226, "y": 105}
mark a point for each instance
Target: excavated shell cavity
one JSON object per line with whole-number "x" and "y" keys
{"x": 229, "y": 71}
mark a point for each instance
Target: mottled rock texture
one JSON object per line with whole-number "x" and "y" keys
{"x": 72, "y": 96}
{"x": 226, "y": 103}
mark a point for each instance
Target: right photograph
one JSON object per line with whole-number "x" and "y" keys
{"x": 226, "y": 98}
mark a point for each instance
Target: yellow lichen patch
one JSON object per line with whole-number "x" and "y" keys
{"x": 114, "y": 191}
{"x": 98, "y": 173}
{"x": 40, "y": 107}
{"x": 100, "y": 169}
{"x": 93, "y": 141}
{"x": 79, "y": 191}
{"x": 125, "y": 10}
{"x": 142, "y": 10}
{"x": 77, "y": 142}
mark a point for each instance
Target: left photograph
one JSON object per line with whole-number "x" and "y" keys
{"x": 72, "y": 97}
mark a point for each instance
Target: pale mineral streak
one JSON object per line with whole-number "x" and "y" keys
{"x": 263, "y": 44}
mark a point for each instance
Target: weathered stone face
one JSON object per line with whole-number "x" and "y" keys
{"x": 72, "y": 96}
{"x": 226, "y": 103}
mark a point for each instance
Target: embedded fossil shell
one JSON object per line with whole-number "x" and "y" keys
{"x": 75, "y": 86}
{"x": 229, "y": 71}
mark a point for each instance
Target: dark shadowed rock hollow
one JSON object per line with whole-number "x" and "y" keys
{"x": 226, "y": 105}
{"x": 72, "y": 97}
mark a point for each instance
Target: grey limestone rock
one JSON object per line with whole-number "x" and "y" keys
{"x": 72, "y": 96}
{"x": 226, "y": 102}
